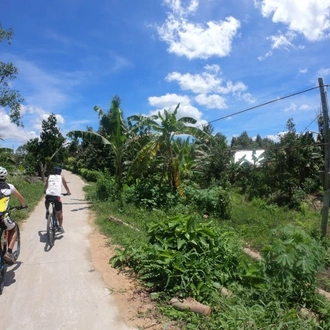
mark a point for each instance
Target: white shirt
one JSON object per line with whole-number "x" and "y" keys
{"x": 54, "y": 186}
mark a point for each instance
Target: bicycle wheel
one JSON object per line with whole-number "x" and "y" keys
{"x": 3, "y": 265}
{"x": 3, "y": 269}
{"x": 50, "y": 230}
{"x": 17, "y": 246}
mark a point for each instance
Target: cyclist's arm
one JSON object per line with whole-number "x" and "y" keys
{"x": 46, "y": 185}
{"x": 21, "y": 199}
{"x": 66, "y": 185}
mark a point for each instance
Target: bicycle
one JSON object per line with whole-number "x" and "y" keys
{"x": 4, "y": 235}
{"x": 52, "y": 224}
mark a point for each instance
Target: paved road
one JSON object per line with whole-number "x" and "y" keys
{"x": 57, "y": 288}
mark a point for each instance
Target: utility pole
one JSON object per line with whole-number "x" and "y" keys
{"x": 326, "y": 196}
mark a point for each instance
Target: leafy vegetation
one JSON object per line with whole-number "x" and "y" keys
{"x": 191, "y": 209}
{"x": 9, "y": 97}
{"x": 189, "y": 256}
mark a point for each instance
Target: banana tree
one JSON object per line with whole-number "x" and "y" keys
{"x": 163, "y": 128}
{"x": 7, "y": 156}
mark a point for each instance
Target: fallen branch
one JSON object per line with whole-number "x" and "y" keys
{"x": 121, "y": 222}
{"x": 190, "y": 304}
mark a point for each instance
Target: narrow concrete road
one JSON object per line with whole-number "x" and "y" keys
{"x": 57, "y": 288}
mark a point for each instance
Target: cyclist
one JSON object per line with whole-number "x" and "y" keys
{"x": 6, "y": 190}
{"x": 52, "y": 190}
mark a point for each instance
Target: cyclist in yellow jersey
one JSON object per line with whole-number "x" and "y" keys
{"x": 52, "y": 190}
{"x": 6, "y": 190}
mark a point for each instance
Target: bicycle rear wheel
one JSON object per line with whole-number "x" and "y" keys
{"x": 3, "y": 265}
{"x": 17, "y": 246}
{"x": 50, "y": 230}
{"x": 3, "y": 269}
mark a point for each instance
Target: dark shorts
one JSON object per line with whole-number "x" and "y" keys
{"x": 57, "y": 200}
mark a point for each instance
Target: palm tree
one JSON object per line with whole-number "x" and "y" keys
{"x": 163, "y": 130}
{"x": 113, "y": 132}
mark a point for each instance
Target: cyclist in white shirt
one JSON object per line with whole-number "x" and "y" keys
{"x": 52, "y": 190}
{"x": 6, "y": 190}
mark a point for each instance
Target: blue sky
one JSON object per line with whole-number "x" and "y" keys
{"x": 214, "y": 57}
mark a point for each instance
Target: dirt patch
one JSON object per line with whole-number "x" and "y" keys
{"x": 134, "y": 303}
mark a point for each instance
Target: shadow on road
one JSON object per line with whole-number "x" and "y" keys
{"x": 43, "y": 239}
{"x": 81, "y": 208}
{"x": 10, "y": 274}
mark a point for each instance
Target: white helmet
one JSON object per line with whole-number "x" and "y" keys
{"x": 3, "y": 173}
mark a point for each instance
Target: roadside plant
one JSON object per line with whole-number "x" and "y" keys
{"x": 185, "y": 256}
{"x": 291, "y": 261}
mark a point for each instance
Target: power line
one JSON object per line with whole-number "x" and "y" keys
{"x": 263, "y": 104}
{"x": 317, "y": 117}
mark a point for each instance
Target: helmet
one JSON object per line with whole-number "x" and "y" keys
{"x": 57, "y": 170}
{"x": 3, "y": 173}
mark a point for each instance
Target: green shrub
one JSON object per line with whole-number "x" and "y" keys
{"x": 149, "y": 195}
{"x": 291, "y": 261}
{"x": 90, "y": 175}
{"x": 106, "y": 188}
{"x": 184, "y": 256}
{"x": 216, "y": 201}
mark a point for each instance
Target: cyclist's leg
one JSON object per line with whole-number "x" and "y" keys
{"x": 59, "y": 215}
{"x": 12, "y": 237}
{"x": 47, "y": 202}
{"x": 59, "y": 211}
{"x": 12, "y": 232}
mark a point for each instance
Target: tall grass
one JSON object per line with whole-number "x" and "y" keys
{"x": 32, "y": 191}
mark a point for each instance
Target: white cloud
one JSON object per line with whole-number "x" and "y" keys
{"x": 247, "y": 97}
{"x": 303, "y": 71}
{"x": 192, "y": 40}
{"x": 275, "y": 138}
{"x": 307, "y": 17}
{"x": 261, "y": 58}
{"x": 10, "y": 131}
{"x": 305, "y": 107}
{"x": 324, "y": 72}
{"x": 295, "y": 107}
{"x": 170, "y": 101}
{"x": 206, "y": 82}
{"x": 291, "y": 107}
{"x": 281, "y": 41}
{"x": 177, "y": 7}
{"x": 213, "y": 101}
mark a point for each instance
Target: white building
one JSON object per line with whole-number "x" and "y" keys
{"x": 246, "y": 156}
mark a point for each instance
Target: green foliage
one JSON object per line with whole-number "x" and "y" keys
{"x": 292, "y": 260}
{"x": 215, "y": 201}
{"x": 8, "y": 72}
{"x": 106, "y": 188}
{"x": 170, "y": 255}
{"x": 149, "y": 195}
{"x": 184, "y": 256}
{"x": 163, "y": 128}
{"x": 44, "y": 153}
{"x": 90, "y": 175}
{"x": 30, "y": 188}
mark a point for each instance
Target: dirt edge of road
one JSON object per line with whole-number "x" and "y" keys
{"x": 133, "y": 303}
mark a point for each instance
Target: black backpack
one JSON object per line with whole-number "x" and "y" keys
{"x": 3, "y": 186}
